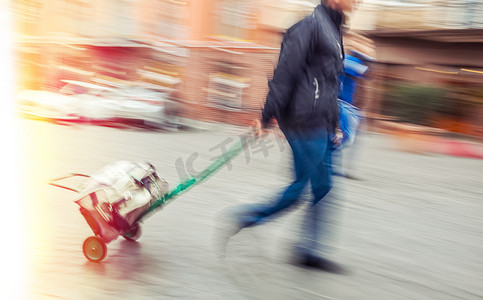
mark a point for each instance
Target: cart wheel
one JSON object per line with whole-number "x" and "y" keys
{"x": 133, "y": 234}
{"x": 94, "y": 249}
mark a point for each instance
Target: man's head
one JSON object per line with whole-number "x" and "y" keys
{"x": 342, "y": 5}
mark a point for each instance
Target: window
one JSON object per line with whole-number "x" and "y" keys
{"x": 236, "y": 17}
{"x": 173, "y": 17}
{"x": 226, "y": 88}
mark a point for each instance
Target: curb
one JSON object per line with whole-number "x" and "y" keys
{"x": 411, "y": 138}
{"x": 457, "y": 148}
{"x": 207, "y": 126}
{"x": 422, "y": 139}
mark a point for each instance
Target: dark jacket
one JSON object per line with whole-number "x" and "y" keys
{"x": 302, "y": 95}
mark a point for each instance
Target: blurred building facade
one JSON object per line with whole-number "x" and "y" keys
{"x": 215, "y": 56}
{"x": 427, "y": 42}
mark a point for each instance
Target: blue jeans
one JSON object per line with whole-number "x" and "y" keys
{"x": 312, "y": 162}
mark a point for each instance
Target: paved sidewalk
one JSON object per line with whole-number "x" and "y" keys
{"x": 411, "y": 228}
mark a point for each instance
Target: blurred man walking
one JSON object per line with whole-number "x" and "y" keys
{"x": 303, "y": 99}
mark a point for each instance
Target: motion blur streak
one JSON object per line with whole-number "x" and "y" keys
{"x": 11, "y": 223}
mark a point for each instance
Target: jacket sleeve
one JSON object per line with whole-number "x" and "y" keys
{"x": 295, "y": 47}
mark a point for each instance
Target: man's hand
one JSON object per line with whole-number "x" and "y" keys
{"x": 258, "y": 131}
{"x": 337, "y": 138}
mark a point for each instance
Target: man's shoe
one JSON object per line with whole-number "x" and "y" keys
{"x": 352, "y": 177}
{"x": 319, "y": 263}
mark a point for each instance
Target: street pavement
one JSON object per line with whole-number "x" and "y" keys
{"x": 411, "y": 227}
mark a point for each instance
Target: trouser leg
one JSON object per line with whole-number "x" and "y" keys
{"x": 316, "y": 222}
{"x": 254, "y": 214}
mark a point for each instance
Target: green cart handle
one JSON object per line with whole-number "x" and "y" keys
{"x": 183, "y": 186}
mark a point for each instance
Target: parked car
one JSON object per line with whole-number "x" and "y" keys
{"x": 142, "y": 106}
{"x": 124, "y": 104}
{"x": 47, "y": 105}
{"x": 83, "y": 101}
{"x": 96, "y": 103}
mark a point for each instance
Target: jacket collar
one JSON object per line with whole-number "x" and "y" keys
{"x": 335, "y": 16}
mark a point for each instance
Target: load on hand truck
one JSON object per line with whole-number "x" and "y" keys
{"x": 116, "y": 199}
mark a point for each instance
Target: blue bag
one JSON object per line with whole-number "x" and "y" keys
{"x": 349, "y": 119}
